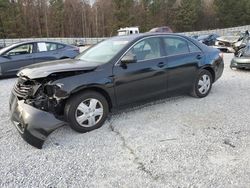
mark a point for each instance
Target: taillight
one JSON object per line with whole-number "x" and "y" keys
{"x": 77, "y": 49}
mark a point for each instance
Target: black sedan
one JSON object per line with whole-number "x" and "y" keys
{"x": 209, "y": 40}
{"x": 16, "y": 56}
{"x": 118, "y": 72}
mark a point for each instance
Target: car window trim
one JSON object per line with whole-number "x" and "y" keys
{"x": 164, "y": 56}
{"x": 151, "y": 59}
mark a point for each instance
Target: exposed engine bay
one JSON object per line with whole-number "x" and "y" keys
{"x": 42, "y": 93}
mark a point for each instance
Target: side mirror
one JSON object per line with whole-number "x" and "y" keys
{"x": 128, "y": 58}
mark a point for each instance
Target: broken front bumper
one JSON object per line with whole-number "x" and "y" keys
{"x": 33, "y": 124}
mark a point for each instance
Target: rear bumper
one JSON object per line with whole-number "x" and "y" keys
{"x": 240, "y": 62}
{"x": 33, "y": 124}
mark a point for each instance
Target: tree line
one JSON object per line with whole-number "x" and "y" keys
{"x": 102, "y": 18}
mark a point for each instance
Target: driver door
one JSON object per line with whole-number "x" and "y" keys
{"x": 144, "y": 79}
{"x": 17, "y": 58}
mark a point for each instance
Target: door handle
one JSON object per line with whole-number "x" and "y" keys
{"x": 160, "y": 65}
{"x": 199, "y": 56}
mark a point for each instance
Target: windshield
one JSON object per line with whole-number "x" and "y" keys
{"x": 104, "y": 51}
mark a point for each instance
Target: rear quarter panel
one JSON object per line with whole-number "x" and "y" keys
{"x": 214, "y": 61}
{"x": 68, "y": 52}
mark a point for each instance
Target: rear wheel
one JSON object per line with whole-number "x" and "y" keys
{"x": 202, "y": 85}
{"x": 86, "y": 111}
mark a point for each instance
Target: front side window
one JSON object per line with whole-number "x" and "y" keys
{"x": 147, "y": 49}
{"x": 21, "y": 50}
{"x": 175, "y": 46}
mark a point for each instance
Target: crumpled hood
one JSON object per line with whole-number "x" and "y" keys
{"x": 230, "y": 39}
{"x": 41, "y": 70}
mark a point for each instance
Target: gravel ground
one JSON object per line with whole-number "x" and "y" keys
{"x": 177, "y": 142}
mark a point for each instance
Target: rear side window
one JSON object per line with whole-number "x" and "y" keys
{"x": 193, "y": 48}
{"x": 175, "y": 46}
{"x": 60, "y": 46}
{"x": 51, "y": 46}
{"x": 48, "y": 46}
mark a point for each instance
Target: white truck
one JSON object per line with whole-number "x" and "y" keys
{"x": 128, "y": 31}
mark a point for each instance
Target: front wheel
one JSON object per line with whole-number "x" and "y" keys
{"x": 202, "y": 85}
{"x": 86, "y": 111}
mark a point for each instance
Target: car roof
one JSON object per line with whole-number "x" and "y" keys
{"x": 135, "y": 37}
{"x": 33, "y": 41}
{"x": 148, "y": 34}
{"x": 139, "y": 36}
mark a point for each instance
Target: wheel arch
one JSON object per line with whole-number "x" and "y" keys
{"x": 98, "y": 90}
{"x": 212, "y": 72}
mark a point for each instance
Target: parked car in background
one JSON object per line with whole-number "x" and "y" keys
{"x": 16, "y": 56}
{"x": 164, "y": 29}
{"x": 128, "y": 31}
{"x": 242, "y": 56}
{"x": 232, "y": 42}
{"x": 228, "y": 42}
{"x": 79, "y": 42}
{"x": 208, "y": 40}
{"x": 117, "y": 72}
{"x": 194, "y": 36}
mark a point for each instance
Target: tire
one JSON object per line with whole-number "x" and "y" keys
{"x": 197, "y": 90}
{"x": 86, "y": 111}
{"x": 64, "y": 57}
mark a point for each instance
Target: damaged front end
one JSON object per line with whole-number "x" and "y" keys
{"x": 37, "y": 108}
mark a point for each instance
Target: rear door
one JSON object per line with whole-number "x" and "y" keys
{"x": 17, "y": 58}
{"x": 144, "y": 79}
{"x": 183, "y": 58}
